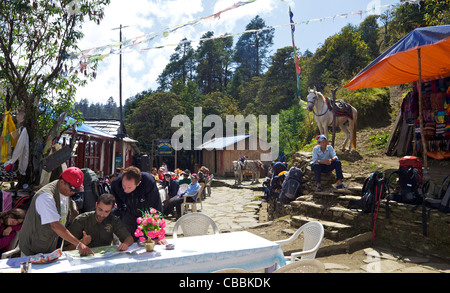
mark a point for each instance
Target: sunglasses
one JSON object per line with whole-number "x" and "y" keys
{"x": 72, "y": 188}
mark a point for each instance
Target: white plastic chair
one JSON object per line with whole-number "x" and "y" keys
{"x": 182, "y": 188}
{"x": 194, "y": 224}
{"x": 186, "y": 204}
{"x": 13, "y": 247}
{"x": 304, "y": 266}
{"x": 312, "y": 238}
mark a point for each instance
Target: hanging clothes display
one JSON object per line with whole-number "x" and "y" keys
{"x": 21, "y": 152}
{"x": 436, "y": 117}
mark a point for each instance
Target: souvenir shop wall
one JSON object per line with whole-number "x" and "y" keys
{"x": 436, "y": 122}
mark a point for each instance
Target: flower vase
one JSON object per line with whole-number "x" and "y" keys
{"x": 149, "y": 245}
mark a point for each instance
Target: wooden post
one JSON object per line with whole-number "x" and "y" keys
{"x": 419, "y": 88}
{"x": 334, "y": 116}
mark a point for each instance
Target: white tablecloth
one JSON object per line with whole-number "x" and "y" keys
{"x": 191, "y": 255}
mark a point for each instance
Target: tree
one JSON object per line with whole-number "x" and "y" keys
{"x": 213, "y": 57}
{"x": 291, "y": 129}
{"x": 278, "y": 90}
{"x": 111, "y": 109}
{"x": 181, "y": 67}
{"x": 36, "y": 39}
{"x": 369, "y": 34}
{"x": 340, "y": 58}
{"x": 152, "y": 117}
{"x": 252, "y": 49}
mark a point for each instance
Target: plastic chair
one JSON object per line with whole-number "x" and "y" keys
{"x": 313, "y": 235}
{"x": 182, "y": 188}
{"x": 194, "y": 224}
{"x": 193, "y": 205}
{"x": 304, "y": 266}
{"x": 13, "y": 247}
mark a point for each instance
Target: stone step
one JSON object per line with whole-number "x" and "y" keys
{"x": 336, "y": 213}
{"x": 333, "y": 230}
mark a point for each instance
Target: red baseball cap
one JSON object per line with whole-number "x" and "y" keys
{"x": 74, "y": 176}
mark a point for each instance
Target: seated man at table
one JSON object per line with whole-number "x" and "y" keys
{"x": 176, "y": 201}
{"x": 96, "y": 228}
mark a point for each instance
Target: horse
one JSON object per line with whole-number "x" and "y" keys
{"x": 323, "y": 115}
{"x": 255, "y": 166}
{"x": 237, "y": 167}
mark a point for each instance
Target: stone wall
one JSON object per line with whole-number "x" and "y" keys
{"x": 403, "y": 228}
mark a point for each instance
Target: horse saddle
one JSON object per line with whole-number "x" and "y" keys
{"x": 340, "y": 108}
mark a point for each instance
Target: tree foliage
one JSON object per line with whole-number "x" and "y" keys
{"x": 151, "y": 118}
{"x": 36, "y": 38}
{"x": 246, "y": 79}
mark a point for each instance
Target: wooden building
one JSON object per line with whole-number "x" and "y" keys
{"x": 219, "y": 153}
{"x": 99, "y": 148}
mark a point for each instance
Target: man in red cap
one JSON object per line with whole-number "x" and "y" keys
{"x": 48, "y": 213}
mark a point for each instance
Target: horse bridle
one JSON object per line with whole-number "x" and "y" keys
{"x": 315, "y": 97}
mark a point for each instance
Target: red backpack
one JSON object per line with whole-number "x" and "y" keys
{"x": 407, "y": 162}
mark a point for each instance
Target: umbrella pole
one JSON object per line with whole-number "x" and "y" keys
{"x": 419, "y": 88}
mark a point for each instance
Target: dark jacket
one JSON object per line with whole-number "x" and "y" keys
{"x": 130, "y": 206}
{"x": 172, "y": 187}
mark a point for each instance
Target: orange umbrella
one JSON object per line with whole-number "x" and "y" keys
{"x": 421, "y": 55}
{"x": 399, "y": 64}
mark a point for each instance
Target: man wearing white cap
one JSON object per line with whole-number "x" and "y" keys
{"x": 325, "y": 160}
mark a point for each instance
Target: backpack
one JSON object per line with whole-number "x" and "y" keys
{"x": 410, "y": 182}
{"x": 410, "y": 176}
{"x": 442, "y": 200}
{"x": 407, "y": 162}
{"x": 92, "y": 189}
{"x": 290, "y": 188}
{"x": 23, "y": 202}
{"x": 374, "y": 189}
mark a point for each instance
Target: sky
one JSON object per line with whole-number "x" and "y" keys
{"x": 140, "y": 69}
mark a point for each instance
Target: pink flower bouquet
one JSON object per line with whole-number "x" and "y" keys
{"x": 150, "y": 226}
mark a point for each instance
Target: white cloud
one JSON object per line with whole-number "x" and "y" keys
{"x": 140, "y": 70}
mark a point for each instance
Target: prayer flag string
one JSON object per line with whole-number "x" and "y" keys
{"x": 99, "y": 53}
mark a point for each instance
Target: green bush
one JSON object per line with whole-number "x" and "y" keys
{"x": 380, "y": 139}
{"x": 373, "y": 105}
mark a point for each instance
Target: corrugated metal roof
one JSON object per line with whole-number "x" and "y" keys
{"x": 91, "y": 130}
{"x": 108, "y": 126}
{"x": 220, "y": 143}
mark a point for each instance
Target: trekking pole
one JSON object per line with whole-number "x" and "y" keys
{"x": 377, "y": 205}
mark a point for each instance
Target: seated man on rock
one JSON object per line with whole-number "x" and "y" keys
{"x": 325, "y": 160}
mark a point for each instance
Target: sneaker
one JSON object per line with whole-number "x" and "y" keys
{"x": 340, "y": 186}
{"x": 318, "y": 188}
